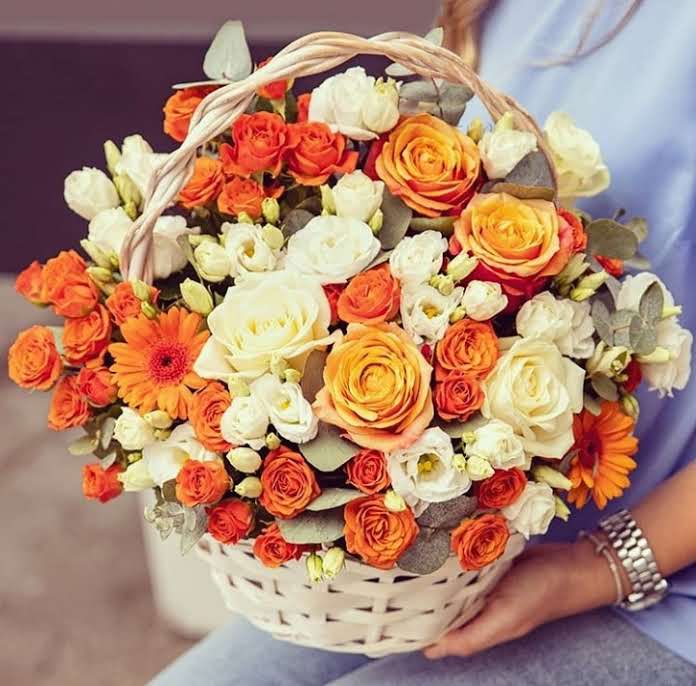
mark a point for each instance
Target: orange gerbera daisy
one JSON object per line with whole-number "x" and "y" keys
{"x": 604, "y": 445}
{"x": 154, "y": 367}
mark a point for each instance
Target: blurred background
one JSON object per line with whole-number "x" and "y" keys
{"x": 81, "y": 602}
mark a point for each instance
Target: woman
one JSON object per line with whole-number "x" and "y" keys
{"x": 622, "y": 70}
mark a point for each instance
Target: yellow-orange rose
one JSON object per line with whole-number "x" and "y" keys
{"x": 377, "y": 388}
{"x": 432, "y": 166}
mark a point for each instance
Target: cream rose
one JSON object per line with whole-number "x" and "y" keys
{"x": 108, "y": 229}
{"x": 536, "y": 391}
{"x": 168, "y": 256}
{"x": 532, "y": 513}
{"x": 380, "y": 108}
{"x": 502, "y": 149}
{"x": 425, "y": 312}
{"x": 664, "y": 377}
{"x": 276, "y": 315}
{"x": 247, "y": 250}
{"x": 483, "y": 300}
{"x": 332, "y": 249}
{"x": 357, "y": 196}
{"x": 88, "y": 191}
{"x": 245, "y": 422}
{"x": 132, "y": 431}
{"x": 136, "y": 477}
{"x": 498, "y": 444}
{"x": 416, "y": 258}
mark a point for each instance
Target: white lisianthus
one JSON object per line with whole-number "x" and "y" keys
{"x": 425, "y": 472}
{"x": 168, "y": 256}
{"x": 502, "y": 148}
{"x": 332, "y": 249}
{"x": 138, "y": 161}
{"x": 132, "y": 431}
{"x": 498, "y": 444}
{"x": 88, "y": 191}
{"x": 536, "y": 391}
{"x": 380, "y": 109}
{"x": 213, "y": 261}
{"x": 416, "y": 258}
{"x": 136, "y": 477}
{"x": 164, "y": 459}
{"x": 357, "y": 196}
{"x": 483, "y": 300}
{"x": 579, "y": 166}
{"x": 425, "y": 312}
{"x": 245, "y": 422}
{"x": 564, "y": 322}
{"x": 247, "y": 250}
{"x": 275, "y": 315}
{"x": 288, "y": 409}
{"x": 534, "y": 510}
{"x": 108, "y": 229}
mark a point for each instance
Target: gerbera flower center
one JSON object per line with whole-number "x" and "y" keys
{"x": 589, "y": 450}
{"x": 169, "y": 362}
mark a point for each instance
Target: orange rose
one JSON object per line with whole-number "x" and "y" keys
{"x": 201, "y": 483}
{"x": 85, "y": 338}
{"x": 468, "y": 346}
{"x": 97, "y": 386}
{"x": 611, "y": 265}
{"x": 76, "y": 296}
{"x": 33, "y": 359}
{"x": 314, "y": 153}
{"x": 272, "y": 550}
{"x": 481, "y": 541}
{"x": 69, "y": 408}
{"x": 275, "y": 90}
{"x": 179, "y": 109}
{"x": 124, "y": 304}
{"x": 371, "y": 297}
{"x": 579, "y": 235}
{"x": 519, "y": 243}
{"x": 378, "y": 535}
{"x": 242, "y": 195}
{"x": 367, "y": 471}
{"x": 100, "y": 484}
{"x": 501, "y": 489}
{"x": 230, "y": 521}
{"x": 458, "y": 396}
{"x": 377, "y": 388}
{"x": 303, "y": 107}
{"x": 432, "y": 166}
{"x": 66, "y": 263}
{"x": 205, "y": 185}
{"x": 207, "y": 407}
{"x": 30, "y": 284}
{"x": 289, "y": 484}
{"x": 333, "y": 291}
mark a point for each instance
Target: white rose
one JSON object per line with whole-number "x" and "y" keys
{"x": 245, "y": 422}
{"x": 247, "y": 250}
{"x": 425, "y": 312}
{"x": 532, "y": 513}
{"x": 332, "y": 249}
{"x": 164, "y": 459}
{"x": 108, "y": 229}
{"x": 132, "y": 431}
{"x": 577, "y": 157}
{"x": 264, "y": 317}
{"x": 138, "y": 161}
{"x": 483, "y": 300}
{"x": 424, "y": 472}
{"x": 88, "y": 191}
{"x": 357, "y": 196}
{"x": 536, "y": 391}
{"x": 663, "y": 377}
{"x": 136, "y": 477}
{"x": 213, "y": 261}
{"x": 380, "y": 109}
{"x": 503, "y": 148}
{"x": 168, "y": 256}
{"x": 416, "y": 258}
{"x": 288, "y": 409}
{"x": 498, "y": 444}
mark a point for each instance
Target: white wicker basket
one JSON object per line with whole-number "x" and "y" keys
{"x": 364, "y": 610}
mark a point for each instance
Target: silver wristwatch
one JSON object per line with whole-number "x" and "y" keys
{"x": 648, "y": 586}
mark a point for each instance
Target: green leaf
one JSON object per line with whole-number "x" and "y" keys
{"x": 328, "y": 451}
{"x": 592, "y": 405}
{"x": 333, "y": 497}
{"x": 524, "y": 192}
{"x": 639, "y": 226}
{"x": 397, "y": 217}
{"x": 453, "y": 101}
{"x": 601, "y": 318}
{"x": 106, "y": 432}
{"x": 108, "y": 460}
{"x": 311, "y": 204}
{"x": 642, "y": 337}
{"x": 455, "y": 429}
{"x": 652, "y": 303}
{"x": 185, "y": 245}
{"x": 448, "y": 514}
{"x": 445, "y": 225}
{"x": 313, "y": 527}
{"x": 532, "y": 170}
{"x": 294, "y": 221}
{"x": 194, "y": 526}
{"x": 608, "y": 238}
{"x": 313, "y": 376}
{"x": 85, "y": 445}
{"x": 605, "y": 388}
{"x": 427, "y": 553}
{"x": 639, "y": 262}
{"x": 381, "y": 258}
{"x": 169, "y": 491}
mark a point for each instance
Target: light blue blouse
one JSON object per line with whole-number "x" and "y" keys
{"x": 637, "y": 96}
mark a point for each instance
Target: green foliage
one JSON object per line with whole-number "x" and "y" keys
{"x": 328, "y": 451}
{"x": 313, "y": 527}
{"x": 428, "y": 552}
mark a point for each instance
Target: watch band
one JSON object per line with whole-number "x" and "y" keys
{"x": 648, "y": 586}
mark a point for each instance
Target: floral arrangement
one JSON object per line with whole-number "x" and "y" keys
{"x": 371, "y": 331}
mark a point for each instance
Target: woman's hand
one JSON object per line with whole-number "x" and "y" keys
{"x": 547, "y": 582}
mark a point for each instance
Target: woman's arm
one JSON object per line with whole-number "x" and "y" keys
{"x": 552, "y": 581}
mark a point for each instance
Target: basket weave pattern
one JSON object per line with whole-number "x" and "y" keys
{"x": 364, "y": 610}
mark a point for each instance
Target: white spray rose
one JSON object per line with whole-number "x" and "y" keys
{"x": 88, "y": 191}
{"x": 483, "y": 300}
{"x": 532, "y": 513}
{"x": 357, "y": 196}
{"x": 245, "y": 422}
{"x": 332, "y": 249}
{"x": 138, "y": 161}
{"x": 416, "y": 258}
{"x": 169, "y": 257}
{"x": 498, "y": 444}
{"x": 136, "y": 477}
{"x": 536, "y": 391}
{"x": 503, "y": 148}
{"x": 577, "y": 157}
{"x": 108, "y": 229}
{"x": 380, "y": 109}
{"x": 132, "y": 431}
{"x": 425, "y": 312}
{"x": 247, "y": 250}
{"x": 213, "y": 261}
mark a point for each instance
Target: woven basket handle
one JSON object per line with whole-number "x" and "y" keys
{"x": 312, "y": 54}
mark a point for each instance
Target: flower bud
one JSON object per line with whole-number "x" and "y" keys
{"x": 468, "y": 437}
{"x": 292, "y": 375}
{"x": 271, "y": 210}
{"x": 593, "y": 281}
{"x": 162, "y": 434}
{"x": 196, "y": 239}
{"x": 238, "y": 387}
{"x": 461, "y": 266}
{"x": 334, "y": 561}
{"x": 552, "y": 477}
{"x": 478, "y": 468}
{"x": 100, "y": 275}
{"x": 141, "y": 290}
{"x": 608, "y": 360}
{"x": 380, "y": 110}
{"x": 244, "y": 460}
{"x": 213, "y": 262}
{"x": 273, "y": 237}
{"x": 575, "y": 268}
{"x": 249, "y": 487}
{"x": 376, "y": 221}
{"x": 278, "y": 365}
{"x": 127, "y": 190}
{"x": 673, "y": 311}
{"x": 476, "y": 130}
{"x": 131, "y": 209}
{"x": 562, "y": 510}
{"x": 459, "y": 462}
{"x": 244, "y": 218}
{"x": 506, "y": 122}
{"x": 315, "y": 568}
{"x": 327, "y": 201}
{"x": 630, "y": 405}
{"x": 148, "y": 310}
{"x": 272, "y": 441}
{"x": 96, "y": 254}
{"x": 457, "y": 314}
{"x": 134, "y": 457}
{"x": 394, "y": 502}
{"x": 158, "y": 419}
{"x": 658, "y": 356}
{"x": 444, "y": 284}
{"x": 112, "y": 155}
{"x": 196, "y": 297}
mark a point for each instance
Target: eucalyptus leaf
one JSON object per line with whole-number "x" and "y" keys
{"x": 195, "y": 525}
{"x": 427, "y": 553}
{"x": 424, "y": 90}
{"x": 448, "y": 514}
{"x": 313, "y": 527}
{"x": 333, "y": 497}
{"x": 622, "y": 319}
{"x": 228, "y": 56}
{"x": 642, "y": 337}
{"x": 453, "y": 101}
{"x": 639, "y": 262}
{"x": 313, "y": 376}
{"x": 311, "y": 204}
{"x": 186, "y": 248}
{"x": 85, "y": 445}
{"x": 445, "y": 225}
{"x": 108, "y": 460}
{"x": 381, "y": 258}
{"x": 169, "y": 491}
{"x": 106, "y": 433}
{"x": 397, "y": 217}
{"x": 294, "y": 221}
{"x": 601, "y": 318}
{"x": 532, "y": 170}
{"x": 524, "y": 192}
{"x": 455, "y": 429}
{"x": 608, "y": 238}
{"x": 639, "y": 226}
{"x": 328, "y": 451}
{"x": 652, "y": 303}
{"x": 592, "y": 405}
{"x": 605, "y": 388}
{"x": 613, "y": 286}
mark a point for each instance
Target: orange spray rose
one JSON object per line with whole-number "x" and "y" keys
{"x": 289, "y": 484}
{"x": 367, "y": 471}
{"x": 481, "y": 541}
{"x": 179, "y": 109}
{"x": 207, "y": 407}
{"x": 230, "y": 521}
{"x": 29, "y": 283}
{"x": 85, "y": 338}
{"x": 467, "y": 346}
{"x": 241, "y": 195}
{"x": 201, "y": 483}
{"x": 33, "y": 359}
{"x": 371, "y": 297}
{"x": 97, "y": 386}
{"x": 275, "y": 90}
{"x": 69, "y": 408}
{"x": 65, "y": 263}
{"x": 100, "y": 484}
{"x": 124, "y": 304}
{"x": 272, "y": 550}
{"x": 458, "y": 395}
{"x": 258, "y": 144}
{"x": 501, "y": 489}
{"x": 205, "y": 185}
